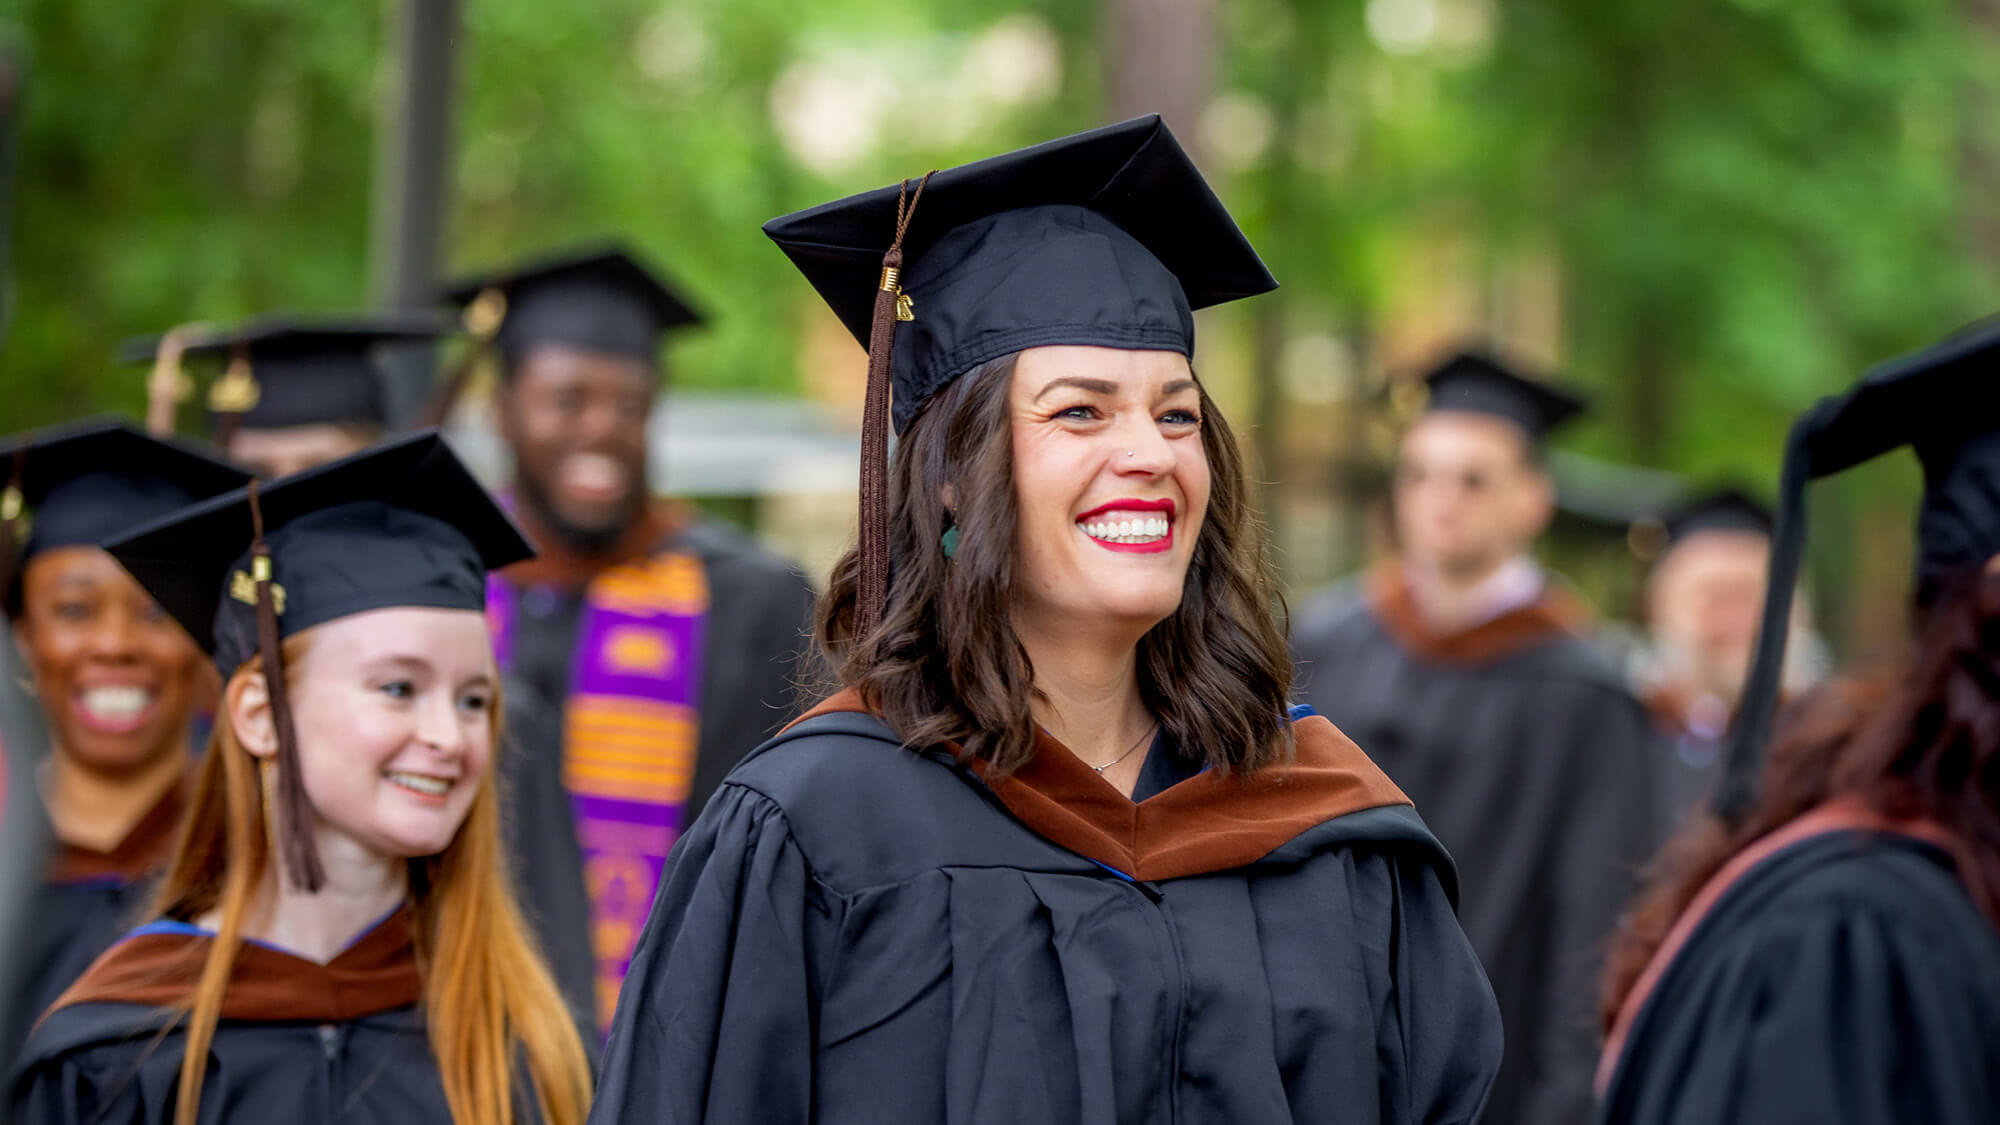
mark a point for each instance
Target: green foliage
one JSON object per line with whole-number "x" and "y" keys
{"x": 1749, "y": 200}
{"x": 212, "y": 160}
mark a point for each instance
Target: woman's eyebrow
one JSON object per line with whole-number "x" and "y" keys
{"x": 1093, "y": 386}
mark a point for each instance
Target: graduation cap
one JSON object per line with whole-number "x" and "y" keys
{"x": 599, "y": 298}
{"x": 1944, "y": 402}
{"x": 1109, "y": 238}
{"x": 1723, "y": 509}
{"x": 83, "y": 484}
{"x": 1475, "y": 381}
{"x": 402, "y": 524}
{"x": 288, "y": 371}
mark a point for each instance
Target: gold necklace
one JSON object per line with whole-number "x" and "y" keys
{"x": 1142, "y": 738}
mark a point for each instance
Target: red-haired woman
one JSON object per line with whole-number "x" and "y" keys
{"x": 1057, "y": 854}
{"x": 1828, "y": 949}
{"x": 336, "y": 939}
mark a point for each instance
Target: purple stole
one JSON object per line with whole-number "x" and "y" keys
{"x": 630, "y": 728}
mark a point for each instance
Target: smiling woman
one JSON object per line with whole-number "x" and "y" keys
{"x": 1056, "y": 852}
{"x": 119, "y": 683}
{"x": 338, "y": 895}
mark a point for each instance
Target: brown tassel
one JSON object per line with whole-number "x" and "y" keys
{"x": 483, "y": 318}
{"x": 890, "y": 305}
{"x": 300, "y": 854}
{"x": 11, "y": 505}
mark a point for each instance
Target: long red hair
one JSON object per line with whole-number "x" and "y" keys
{"x": 489, "y": 1000}
{"x": 1921, "y": 740}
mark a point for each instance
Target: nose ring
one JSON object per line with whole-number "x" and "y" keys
{"x": 1129, "y": 454}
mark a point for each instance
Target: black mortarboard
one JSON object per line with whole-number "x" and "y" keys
{"x": 401, "y": 524}
{"x": 289, "y": 371}
{"x": 83, "y": 484}
{"x": 1107, "y": 238}
{"x": 600, "y": 298}
{"x": 1475, "y": 381}
{"x": 1945, "y": 403}
{"x": 1724, "y": 509}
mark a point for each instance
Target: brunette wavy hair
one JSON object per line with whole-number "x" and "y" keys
{"x": 491, "y": 1007}
{"x": 945, "y": 664}
{"x": 1921, "y": 741}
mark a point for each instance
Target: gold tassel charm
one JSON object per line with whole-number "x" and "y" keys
{"x": 237, "y": 391}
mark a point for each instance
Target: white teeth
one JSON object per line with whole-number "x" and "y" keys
{"x": 591, "y": 470}
{"x": 117, "y": 703}
{"x": 1135, "y": 529}
{"x": 430, "y": 786}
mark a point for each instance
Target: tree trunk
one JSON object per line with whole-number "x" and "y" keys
{"x": 1160, "y": 58}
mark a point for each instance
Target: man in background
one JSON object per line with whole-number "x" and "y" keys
{"x": 1462, "y": 668}
{"x": 674, "y": 643}
{"x": 1704, "y": 600}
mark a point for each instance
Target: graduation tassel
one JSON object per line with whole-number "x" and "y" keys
{"x": 1736, "y": 794}
{"x": 167, "y": 387}
{"x": 300, "y": 854}
{"x": 483, "y": 318}
{"x": 233, "y": 396}
{"x": 11, "y": 504}
{"x": 890, "y": 306}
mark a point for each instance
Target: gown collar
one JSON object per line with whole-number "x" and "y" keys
{"x": 1212, "y": 821}
{"x": 1554, "y": 612}
{"x": 157, "y": 965}
{"x": 132, "y": 858}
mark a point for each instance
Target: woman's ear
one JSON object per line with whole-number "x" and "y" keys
{"x": 246, "y": 707}
{"x": 949, "y": 497}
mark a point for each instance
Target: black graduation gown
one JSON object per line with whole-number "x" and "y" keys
{"x": 299, "y": 1044}
{"x": 1687, "y": 766}
{"x": 758, "y": 633}
{"x": 1528, "y": 757}
{"x": 1845, "y": 980}
{"x": 856, "y": 933}
{"x": 85, "y": 903}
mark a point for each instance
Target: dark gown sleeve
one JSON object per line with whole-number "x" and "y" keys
{"x": 1846, "y": 1015}
{"x": 1443, "y": 1031}
{"x": 715, "y": 1019}
{"x": 67, "y": 1089}
{"x": 1601, "y": 838}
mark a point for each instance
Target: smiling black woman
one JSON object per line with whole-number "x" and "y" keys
{"x": 1057, "y": 853}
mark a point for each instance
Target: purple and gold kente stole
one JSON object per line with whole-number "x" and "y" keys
{"x": 630, "y": 727}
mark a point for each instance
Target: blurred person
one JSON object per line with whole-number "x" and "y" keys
{"x": 298, "y": 393}
{"x": 335, "y": 936}
{"x": 118, "y": 681}
{"x": 294, "y": 392}
{"x": 1467, "y": 671}
{"x": 672, "y": 642}
{"x": 1057, "y": 852}
{"x": 1825, "y": 946}
{"x": 1703, "y": 598}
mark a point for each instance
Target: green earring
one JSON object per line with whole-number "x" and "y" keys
{"x": 950, "y": 541}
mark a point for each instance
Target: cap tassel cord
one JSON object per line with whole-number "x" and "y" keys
{"x": 1736, "y": 795}
{"x": 168, "y": 386}
{"x": 300, "y": 854}
{"x": 483, "y": 318}
{"x": 874, "y": 528}
{"x": 11, "y": 505}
